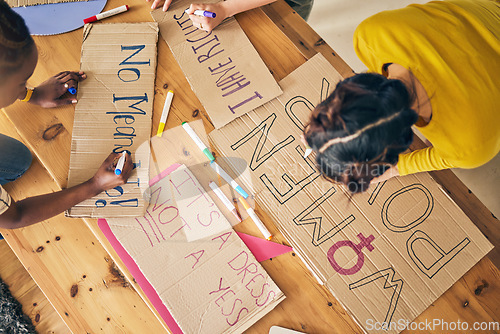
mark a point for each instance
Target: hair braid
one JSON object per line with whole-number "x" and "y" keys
{"x": 361, "y": 128}
{"x": 15, "y": 40}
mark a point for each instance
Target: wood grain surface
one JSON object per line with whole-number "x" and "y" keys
{"x": 62, "y": 253}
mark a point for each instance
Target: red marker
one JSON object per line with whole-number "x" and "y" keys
{"x": 109, "y": 13}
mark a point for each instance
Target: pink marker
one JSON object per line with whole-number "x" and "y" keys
{"x": 229, "y": 205}
{"x": 109, "y": 13}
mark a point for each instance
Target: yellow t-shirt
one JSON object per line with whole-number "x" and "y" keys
{"x": 453, "y": 49}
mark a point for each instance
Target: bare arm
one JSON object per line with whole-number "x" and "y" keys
{"x": 32, "y": 210}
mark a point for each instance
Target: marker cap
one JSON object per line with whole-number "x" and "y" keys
{"x": 208, "y": 154}
{"x": 90, "y": 19}
{"x": 241, "y": 191}
{"x": 244, "y": 203}
{"x": 161, "y": 127}
{"x": 209, "y": 14}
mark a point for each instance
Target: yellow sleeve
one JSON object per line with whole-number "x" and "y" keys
{"x": 423, "y": 160}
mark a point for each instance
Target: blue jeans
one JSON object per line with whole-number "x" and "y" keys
{"x": 15, "y": 159}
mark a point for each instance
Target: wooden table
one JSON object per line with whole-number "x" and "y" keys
{"x": 81, "y": 274}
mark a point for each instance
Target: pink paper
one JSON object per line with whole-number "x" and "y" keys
{"x": 263, "y": 249}
{"x": 139, "y": 277}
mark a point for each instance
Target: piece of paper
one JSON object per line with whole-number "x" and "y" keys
{"x": 58, "y": 18}
{"x": 386, "y": 254}
{"x": 210, "y": 283}
{"x": 263, "y": 249}
{"x": 113, "y": 113}
{"x": 23, "y": 3}
{"x": 222, "y": 67}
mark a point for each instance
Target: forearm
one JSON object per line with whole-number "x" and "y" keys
{"x": 234, "y": 7}
{"x": 38, "y": 208}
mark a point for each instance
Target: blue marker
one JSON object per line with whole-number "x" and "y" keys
{"x": 72, "y": 90}
{"x": 228, "y": 179}
{"x": 120, "y": 163}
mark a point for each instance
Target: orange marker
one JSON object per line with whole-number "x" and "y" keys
{"x": 256, "y": 219}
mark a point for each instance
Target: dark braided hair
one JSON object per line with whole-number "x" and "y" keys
{"x": 361, "y": 128}
{"x": 15, "y": 41}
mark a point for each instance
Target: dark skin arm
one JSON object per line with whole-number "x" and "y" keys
{"x": 53, "y": 92}
{"x": 34, "y": 209}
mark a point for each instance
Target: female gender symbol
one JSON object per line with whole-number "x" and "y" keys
{"x": 365, "y": 242}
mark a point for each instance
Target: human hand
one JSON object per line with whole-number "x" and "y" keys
{"x": 54, "y": 91}
{"x": 158, "y": 2}
{"x": 105, "y": 177}
{"x": 207, "y": 23}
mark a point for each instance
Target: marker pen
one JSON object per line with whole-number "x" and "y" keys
{"x": 308, "y": 151}
{"x": 120, "y": 163}
{"x": 197, "y": 141}
{"x": 215, "y": 166}
{"x": 205, "y": 13}
{"x": 164, "y": 114}
{"x": 256, "y": 219}
{"x": 109, "y": 13}
{"x": 229, "y": 205}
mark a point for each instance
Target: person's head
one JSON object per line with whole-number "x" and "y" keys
{"x": 18, "y": 55}
{"x": 361, "y": 128}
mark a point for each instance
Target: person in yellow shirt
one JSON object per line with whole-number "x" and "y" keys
{"x": 435, "y": 66}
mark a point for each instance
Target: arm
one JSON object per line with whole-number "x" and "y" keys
{"x": 223, "y": 9}
{"x": 423, "y": 160}
{"x": 35, "y": 209}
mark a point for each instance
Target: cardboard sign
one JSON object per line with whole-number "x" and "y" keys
{"x": 201, "y": 270}
{"x": 222, "y": 67}
{"x": 24, "y": 3}
{"x": 387, "y": 254}
{"x": 114, "y": 112}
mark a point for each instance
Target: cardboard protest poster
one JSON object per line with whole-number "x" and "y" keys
{"x": 24, "y": 3}
{"x": 114, "y": 112}
{"x": 200, "y": 269}
{"x": 222, "y": 67}
{"x": 387, "y": 254}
